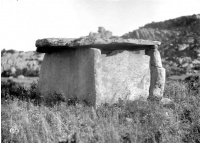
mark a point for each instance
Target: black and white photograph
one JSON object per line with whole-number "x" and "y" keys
{"x": 100, "y": 71}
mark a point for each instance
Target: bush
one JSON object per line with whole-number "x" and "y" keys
{"x": 30, "y": 73}
{"x": 6, "y": 73}
{"x": 11, "y": 90}
{"x": 3, "y": 51}
{"x": 193, "y": 83}
{"x": 26, "y": 72}
{"x": 7, "y": 51}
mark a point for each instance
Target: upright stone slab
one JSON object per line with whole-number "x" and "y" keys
{"x": 125, "y": 76}
{"x": 157, "y": 75}
{"x": 71, "y": 73}
{"x": 88, "y": 68}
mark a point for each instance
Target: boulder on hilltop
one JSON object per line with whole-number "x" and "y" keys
{"x": 102, "y": 33}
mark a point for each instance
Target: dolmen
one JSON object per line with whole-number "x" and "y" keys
{"x": 101, "y": 68}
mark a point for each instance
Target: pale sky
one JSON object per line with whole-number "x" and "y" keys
{"x": 22, "y": 22}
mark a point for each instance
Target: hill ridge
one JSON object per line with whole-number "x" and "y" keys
{"x": 180, "y": 37}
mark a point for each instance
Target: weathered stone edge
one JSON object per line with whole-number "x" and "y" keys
{"x": 70, "y": 42}
{"x": 50, "y": 44}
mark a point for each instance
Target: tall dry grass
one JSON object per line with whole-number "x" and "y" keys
{"x": 125, "y": 122}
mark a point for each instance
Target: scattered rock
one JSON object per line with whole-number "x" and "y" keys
{"x": 101, "y": 30}
{"x": 102, "y": 33}
{"x": 10, "y": 77}
{"x": 129, "y": 119}
{"x": 183, "y": 47}
{"x": 13, "y": 70}
{"x": 20, "y": 77}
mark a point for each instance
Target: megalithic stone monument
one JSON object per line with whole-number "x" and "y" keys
{"x": 99, "y": 69}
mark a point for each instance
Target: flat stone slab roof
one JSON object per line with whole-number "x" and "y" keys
{"x": 105, "y": 44}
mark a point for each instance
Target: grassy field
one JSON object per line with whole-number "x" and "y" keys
{"x": 26, "y": 118}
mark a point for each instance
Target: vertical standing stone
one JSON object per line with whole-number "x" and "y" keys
{"x": 58, "y": 74}
{"x": 97, "y": 75}
{"x": 73, "y": 73}
{"x": 157, "y": 81}
{"x": 88, "y": 76}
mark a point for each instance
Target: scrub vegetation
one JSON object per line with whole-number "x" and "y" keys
{"x": 25, "y": 117}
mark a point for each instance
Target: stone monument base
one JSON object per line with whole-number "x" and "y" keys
{"x": 87, "y": 75}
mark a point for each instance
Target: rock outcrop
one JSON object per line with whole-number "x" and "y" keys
{"x": 180, "y": 48}
{"x": 102, "y": 33}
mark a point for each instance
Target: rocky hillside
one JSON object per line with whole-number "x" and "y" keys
{"x": 15, "y": 63}
{"x": 180, "y": 37}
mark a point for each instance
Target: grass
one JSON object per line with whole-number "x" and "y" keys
{"x": 26, "y": 118}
